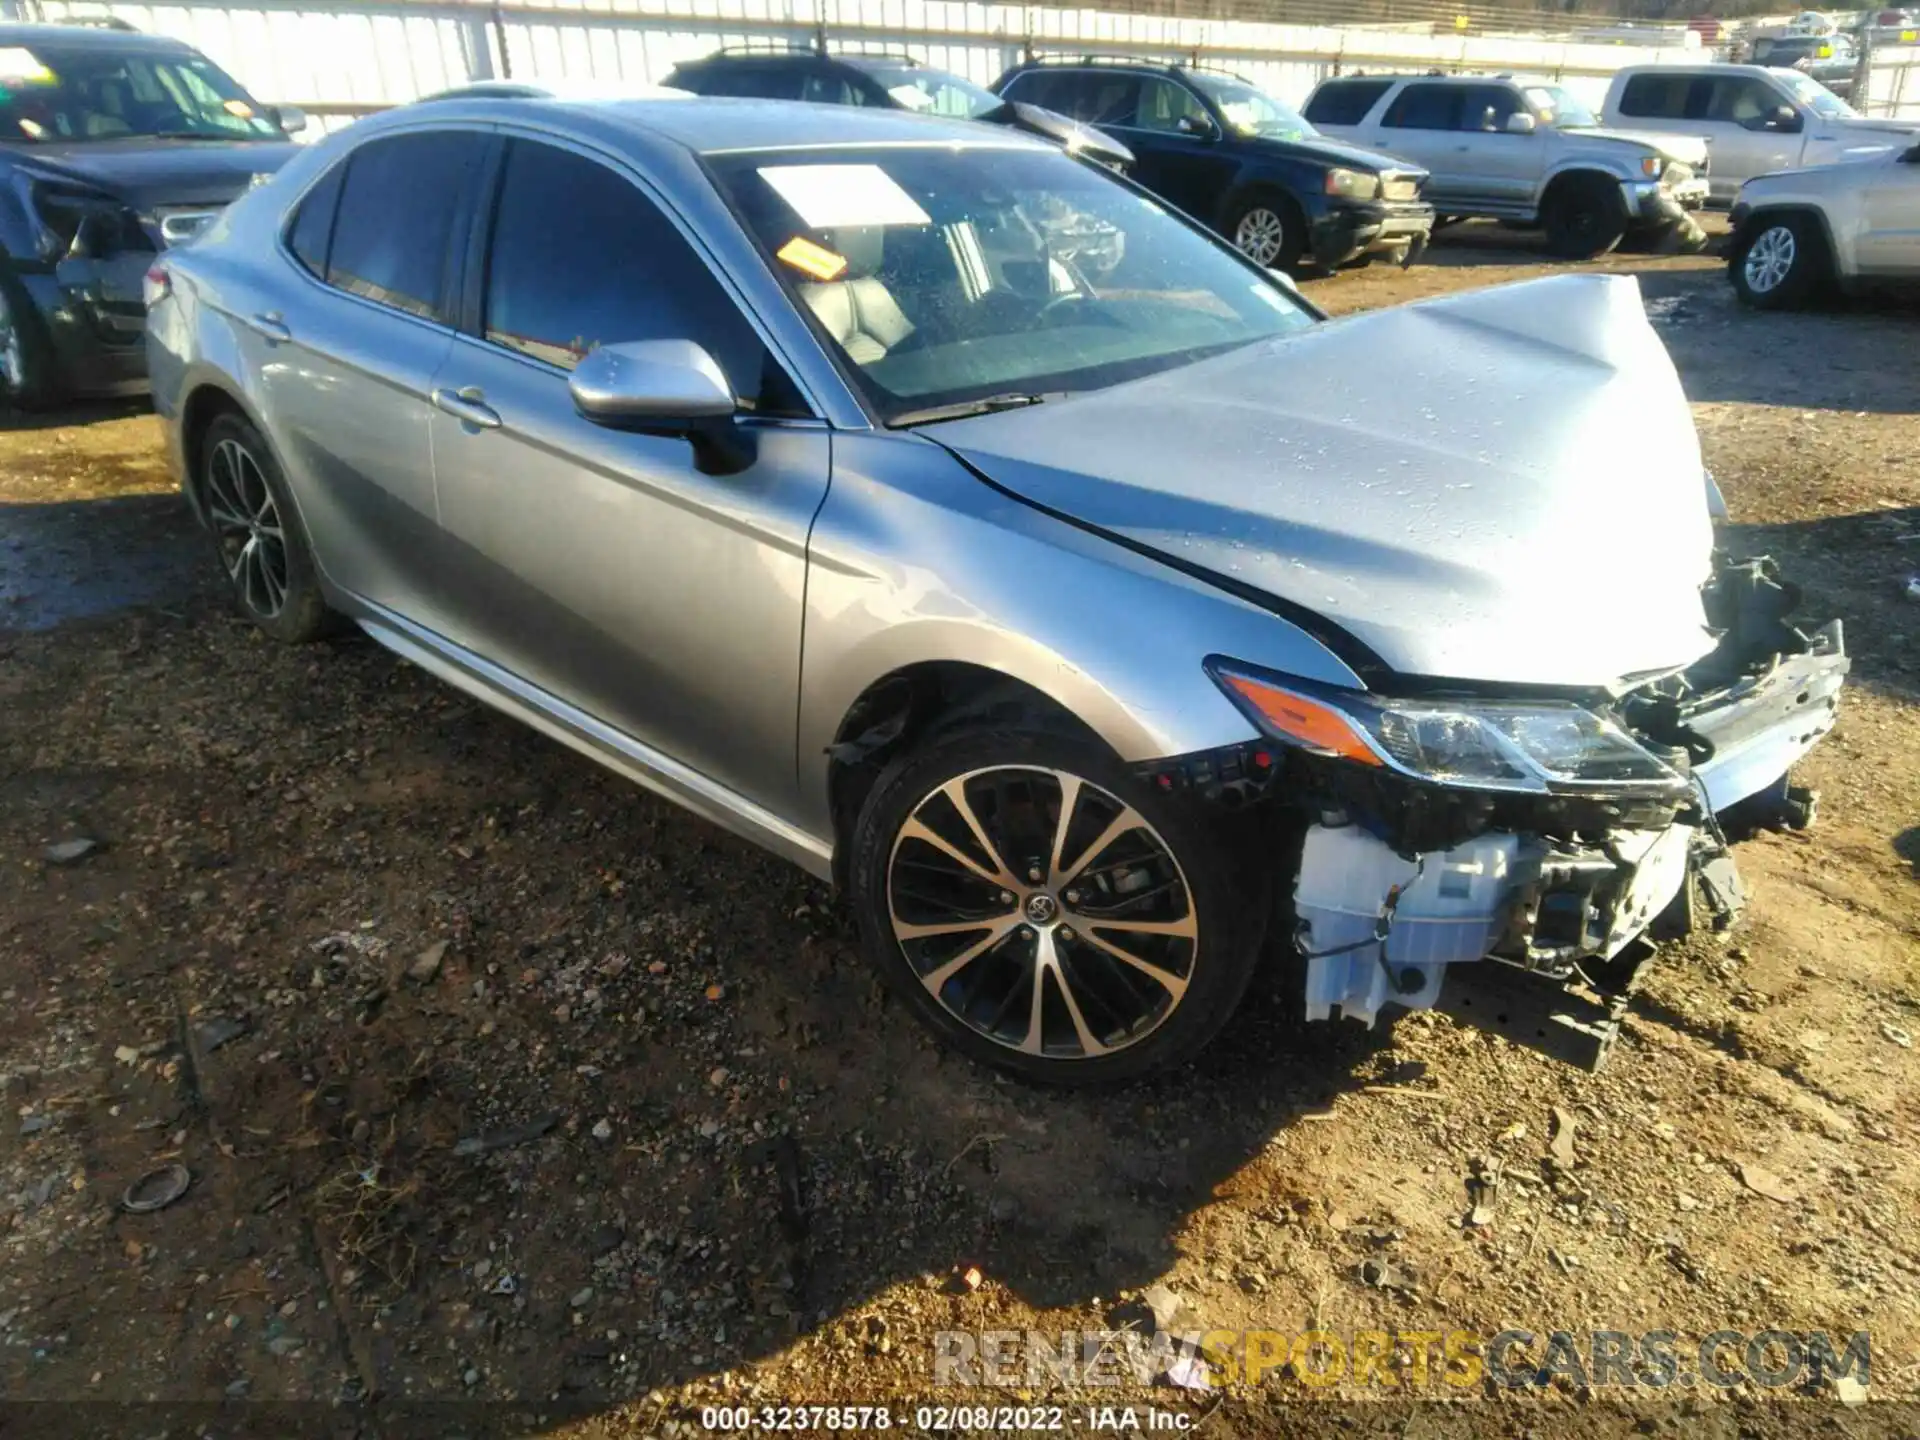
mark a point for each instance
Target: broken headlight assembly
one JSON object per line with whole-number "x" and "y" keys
{"x": 73, "y": 222}
{"x": 1526, "y": 747}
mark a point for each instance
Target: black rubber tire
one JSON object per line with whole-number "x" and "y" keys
{"x": 1584, "y": 217}
{"x": 36, "y": 389}
{"x": 1808, "y": 275}
{"x": 1230, "y": 895}
{"x": 1293, "y": 223}
{"x": 304, "y": 615}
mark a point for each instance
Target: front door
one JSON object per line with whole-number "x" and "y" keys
{"x": 605, "y": 567}
{"x": 346, "y": 361}
{"x": 1890, "y": 231}
{"x": 1501, "y": 167}
{"x": 1181, "y": 151}
{"x": 1744, "y": 138}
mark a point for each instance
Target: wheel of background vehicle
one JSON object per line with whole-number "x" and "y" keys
{"x": 1268, "y": 228}
{"x": 1780, "y": 263}
{"x": 1584, "y": 217}
{"x": 26, "y": 355}
{"x": 257, "y": 534}
{"x": 1045, "y": 912}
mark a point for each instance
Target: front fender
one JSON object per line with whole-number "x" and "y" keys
{"x": 915, "y": 559}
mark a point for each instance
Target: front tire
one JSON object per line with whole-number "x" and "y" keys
{"x": 26, "y": 353}
{"x": 1584, "y": 217}
{"x": 258, "y": 536}
{"x": 1268, "y": 228}
{"x": 1780, "y": 264}
{"x": 1046, "y": 912}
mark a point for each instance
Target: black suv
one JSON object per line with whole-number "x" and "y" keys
{"x": 113, "y": 146}
{"x": 887, "y": 82}
{"x": 1237, "y": 159}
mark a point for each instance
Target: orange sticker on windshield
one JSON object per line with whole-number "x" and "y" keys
{"x": 811, "y": 259}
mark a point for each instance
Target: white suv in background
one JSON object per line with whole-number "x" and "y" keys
{"x": 1526, "y": 152}
{"x": 1757, "y": 120}
{"x": 1853, "y": 227}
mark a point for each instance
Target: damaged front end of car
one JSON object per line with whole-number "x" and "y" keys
{"x": 1555, "y": 837}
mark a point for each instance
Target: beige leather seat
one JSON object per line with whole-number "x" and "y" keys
{"x": 857, "y": 310}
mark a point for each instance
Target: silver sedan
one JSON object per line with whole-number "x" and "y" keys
{"x": 952, "y": 518}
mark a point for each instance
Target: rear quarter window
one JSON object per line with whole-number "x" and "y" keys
{"x": 1344, "y": 102}
{"x": 1656, "y": 97}
{"x": 312, "y": 228}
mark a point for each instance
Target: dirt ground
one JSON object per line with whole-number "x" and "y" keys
{"x": 508, "y": 1089}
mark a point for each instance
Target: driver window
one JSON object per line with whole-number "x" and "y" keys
{"x": 581, "y": 258}
{"x": 1164, "y": 104}
{"x": 1487, "y": 107}
{"x": 1742, "y": 101}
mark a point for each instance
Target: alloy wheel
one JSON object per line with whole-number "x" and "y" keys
{"x": 1042, "y": 912}
{"x": 1261, "y": 236}
{"x": 246, "y": 523}
{"x": 1769, "y": 259}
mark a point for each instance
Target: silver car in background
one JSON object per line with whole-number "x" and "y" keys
{"x": 1099, "y": 619}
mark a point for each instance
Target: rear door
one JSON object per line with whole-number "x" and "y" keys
{"x": 347, "y": 361}
{"x": 1422, "y": 123}
{"x": 604, "y": 567}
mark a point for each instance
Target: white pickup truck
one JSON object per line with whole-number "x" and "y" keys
{"x": 1526, "y": 152}
{"x": 1757, "y": 120}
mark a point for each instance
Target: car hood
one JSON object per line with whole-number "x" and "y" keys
{"x": 1502, "y": 487}
{"x": 1334, "y": 152}
{"x": 1687, "y": 149}
{"x": 148, "y": 172}
{"x": 1865, "y": 131}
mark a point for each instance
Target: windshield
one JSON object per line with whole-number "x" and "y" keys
{"x": 934, "y": 92}
{"x": 1815, "y": 96}
{"x": 49, "y": 93}
{"x": 1251, "y": 111}
{"x": 946, "y": 275}
{"x": 1557, "y": 108}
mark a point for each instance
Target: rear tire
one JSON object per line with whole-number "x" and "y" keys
{"x": 1584, "y": 217}
{"x": 1090, "y": 948}
{"x": 257, "y": 534}
{"x": 1780, "y": 263}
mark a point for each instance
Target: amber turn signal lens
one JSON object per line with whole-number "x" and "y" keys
{"x": 1314, "y": 726}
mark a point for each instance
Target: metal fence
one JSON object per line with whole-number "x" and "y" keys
{"x": 350, "y": 57}
{"x": 1892, "y": 86}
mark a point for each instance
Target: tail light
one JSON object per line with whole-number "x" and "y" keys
{"x": 157, "y": 286}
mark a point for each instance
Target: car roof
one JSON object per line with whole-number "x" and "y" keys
{"x": 88, "y": 37}
{"x": 716, "y": 125}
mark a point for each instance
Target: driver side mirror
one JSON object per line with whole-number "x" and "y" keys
{"x": 1520, "y": 123}
{"x": 1198, "y": 126}
{"x": 290, "y": 118}
{"x": 1911, "y": 157}
{"x": 663, "y": 387}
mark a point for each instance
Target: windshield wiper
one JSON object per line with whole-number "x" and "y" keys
{"x": 961, "y": 409}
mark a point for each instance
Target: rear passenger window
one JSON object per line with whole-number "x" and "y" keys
{"x": 829, "y": 90}
{"x": 580, "y": 258}
{"x": 398, "y": 207}
{"x": 1091, "y": 97}
{"x": 313, "y": 222}
{"x": 1656, "y": 97}
{"x": 756, "y": 82}
{"x": 1425, "y": 107}
{"x": 1345, "y": 102}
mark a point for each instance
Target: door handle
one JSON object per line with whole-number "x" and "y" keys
{"x": 468, "y": 406}
{"x": 269, "y": 326}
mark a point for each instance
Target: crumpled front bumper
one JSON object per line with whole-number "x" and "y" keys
{"x": 1380, "y": 927}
